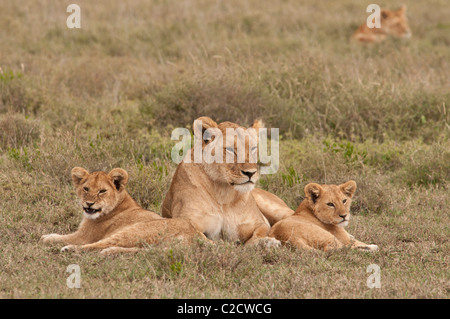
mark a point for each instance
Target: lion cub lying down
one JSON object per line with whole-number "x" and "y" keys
{"x": 319, "y": 221}
{"x": 113, "y": 221}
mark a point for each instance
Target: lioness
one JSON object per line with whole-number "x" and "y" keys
{"x": 113, "y": 221}
{"x": 392, "y": 23}
{"x": 319, "y": 221}
{"x": 217, "y": 197}
{"x": 272, "y": 207}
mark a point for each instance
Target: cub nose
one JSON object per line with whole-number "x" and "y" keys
{"x": 249, "y": 173}
{"x": 89, "y": 204}
{"x": 343, "y": 216}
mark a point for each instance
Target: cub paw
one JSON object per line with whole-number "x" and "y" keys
{"x": 69, "y": 248}
{"x": 117, "y": 250}
{"x": 108, "y": 251}
{"x": 50, "y": 238}
{"x": 369, "y": 248}
{"x": 269, "y": 242}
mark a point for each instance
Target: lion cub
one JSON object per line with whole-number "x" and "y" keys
{"x": 319, "y": 221}
{"x": 113, "y": 221}
{"x": 393, "y": 23}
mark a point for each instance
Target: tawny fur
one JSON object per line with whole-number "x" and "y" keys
{"x": 217, "y": 197}
{"x": 272, "y": 207}
{"x": 393, "y": 23}
{"x": 120, "y": 225}
{"x": 319, "y": 221}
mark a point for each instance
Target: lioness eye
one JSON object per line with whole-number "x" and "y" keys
{"x": 230, "y": 149}
{"x": 344, "y": 201}
{"x": 86, "y": 189}
{"x": 102, "y": 191}
{"x": 253, "y": 150}
{"x": 330, "y": 204}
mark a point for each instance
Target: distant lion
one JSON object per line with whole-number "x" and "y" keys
{"x": 319, "y": 221}
{"x": 113, "y": 222}
{"x": 393, "y": 23}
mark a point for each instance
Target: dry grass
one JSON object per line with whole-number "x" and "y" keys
{"x": 109, "y": 94}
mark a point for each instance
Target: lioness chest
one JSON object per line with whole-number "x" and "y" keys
{"x": 230, "y": 219}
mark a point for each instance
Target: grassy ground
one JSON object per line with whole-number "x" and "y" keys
{"x": 109, "y": 94}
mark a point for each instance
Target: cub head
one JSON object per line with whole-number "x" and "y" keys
{"x": 229, "y": 152}
{"x": 99, "y": 192}
{"x": 395, "y": 23}
{"x": 331, "y": 203}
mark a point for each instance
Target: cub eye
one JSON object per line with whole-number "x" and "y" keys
{"x": 86, "y": 189}
{"x": 344, "y": 201}
{"x": 102, "y": 191}
{"x": 330, "y": 204}
{"x": 254, "y": 148}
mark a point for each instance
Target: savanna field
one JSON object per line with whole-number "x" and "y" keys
{"x": 109, "y": 95}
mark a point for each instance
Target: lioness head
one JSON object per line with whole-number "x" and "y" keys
{"x": 331, "y": 203}
{"x": 229, "y": 152}
{"x": 99, "y": 192}
{"x": 395, "y": 22}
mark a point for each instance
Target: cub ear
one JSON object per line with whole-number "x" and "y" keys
{"x": 201, "y": 125}
{"x": 348, "y": 188}
{"x": 78, "y": 174}
{"x": 313, "y": 191}
{"x": 119, "y": 177}
{"x": 402, "y": 9}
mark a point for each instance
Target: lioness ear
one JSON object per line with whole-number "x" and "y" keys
{"x": 384, "y": 14}
{"x": 119, "y": 177}
{"x": 257, "y": 124}
{"x": 402, "y": 9}
{"x": 78, "y": 173}
{"x": 348, "y": 188}
{"x": 313, "y": 191}
{"x": 201, "y": 125}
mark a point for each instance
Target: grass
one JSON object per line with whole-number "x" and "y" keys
{"x": 109, "y": 94}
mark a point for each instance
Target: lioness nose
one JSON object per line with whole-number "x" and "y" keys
{"x": 89, "y": 204}
{"x": 343, "y": 216}
{"x": 249, "y": 173}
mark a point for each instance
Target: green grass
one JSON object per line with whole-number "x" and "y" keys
{"x": 109, "y": 94}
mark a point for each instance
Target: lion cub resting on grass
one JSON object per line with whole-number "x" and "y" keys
{"x": 319, "y": 221}
{"x": 113, "y": 221}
